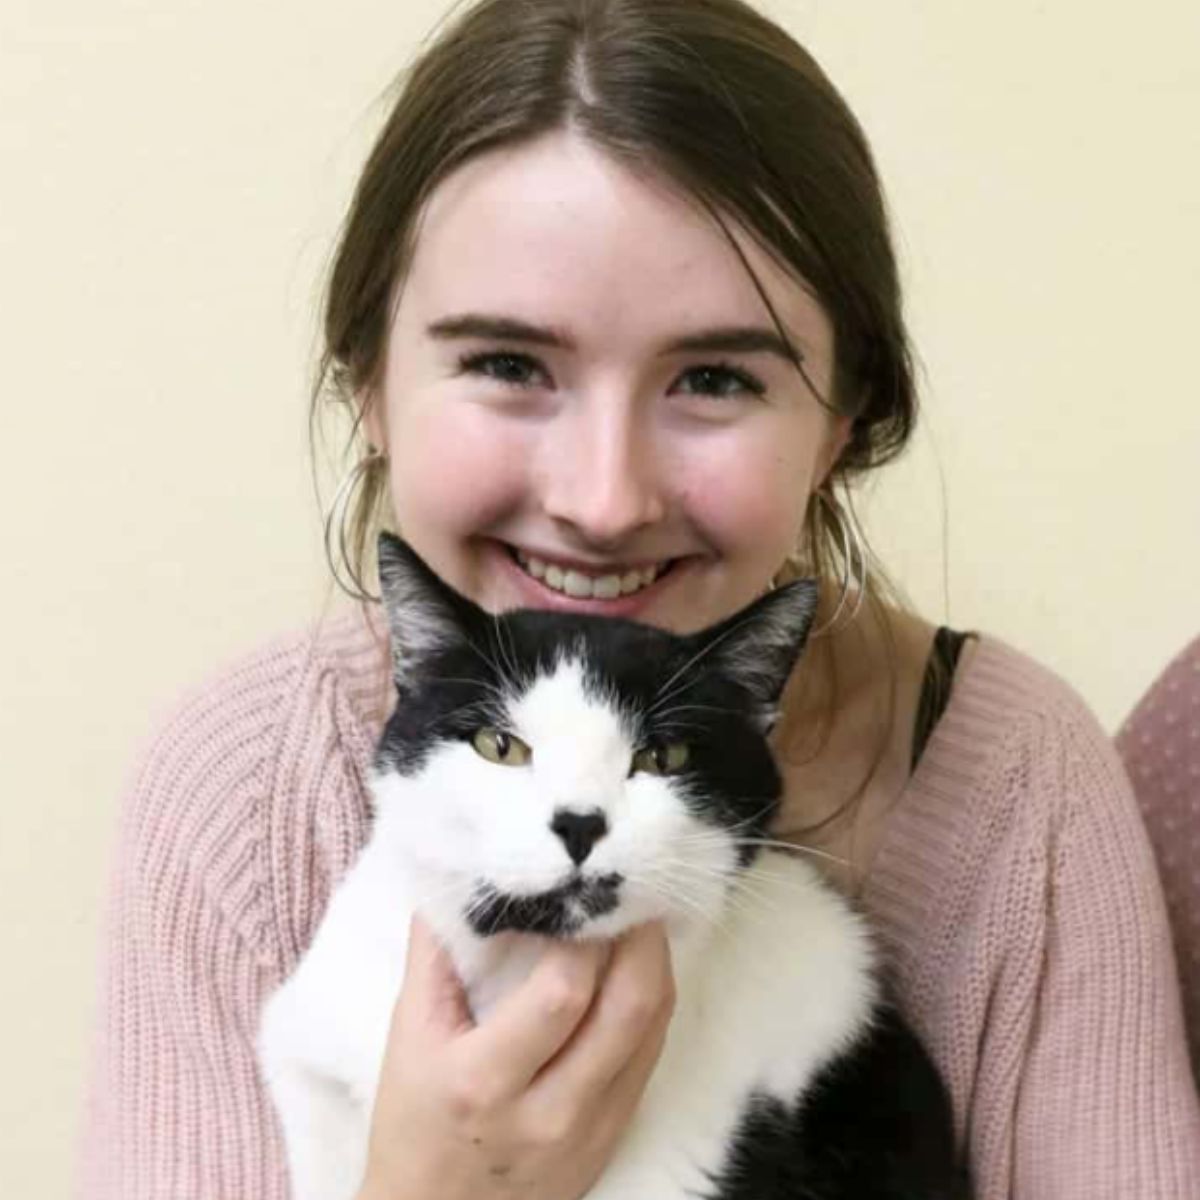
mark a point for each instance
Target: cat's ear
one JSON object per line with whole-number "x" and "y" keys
{"x": 425, "y": 615}
{"x": 758, "y": 647}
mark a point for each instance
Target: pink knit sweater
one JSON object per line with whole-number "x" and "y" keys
{"x": 1015, "y": 892}
{"x": 1160, "y": 744}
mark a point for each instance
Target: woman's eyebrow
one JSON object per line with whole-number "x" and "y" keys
{"x": 727, "y": 339}
{"x": 736, "y": 339}
{"x": 501, "y": 329}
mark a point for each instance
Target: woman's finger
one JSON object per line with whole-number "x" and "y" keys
{"x": 533, "y": 1022}
{"x": 432, "y": 993}
{"x": 636, "y": 998}
{"x": 615, "y": 1107}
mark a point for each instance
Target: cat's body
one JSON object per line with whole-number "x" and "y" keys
{"x": 784, "y": 1072}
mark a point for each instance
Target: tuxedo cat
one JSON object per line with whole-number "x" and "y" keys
{"x": 571, "y": 777}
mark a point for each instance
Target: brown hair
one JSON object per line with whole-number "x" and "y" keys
{"x": 708, "y": 94}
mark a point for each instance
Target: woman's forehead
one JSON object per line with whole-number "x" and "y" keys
{"x": 557, "y": 232}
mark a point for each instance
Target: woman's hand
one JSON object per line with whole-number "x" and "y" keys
{"x": 532, "y": 1101}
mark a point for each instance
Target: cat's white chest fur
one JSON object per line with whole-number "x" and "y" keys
{"x": 765, "y": 997}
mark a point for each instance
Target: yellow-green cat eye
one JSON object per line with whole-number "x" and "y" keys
{"x": 499, "y": 747}
{"x": 667, "y": 758}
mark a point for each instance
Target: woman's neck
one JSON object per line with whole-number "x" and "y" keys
{"x": 845, "y": 740}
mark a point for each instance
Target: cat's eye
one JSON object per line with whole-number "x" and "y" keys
{"x": 661, "y": 758}
{"x": 499, "y": 747}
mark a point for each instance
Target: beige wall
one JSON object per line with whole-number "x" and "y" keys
{"x": 172, "y": 176}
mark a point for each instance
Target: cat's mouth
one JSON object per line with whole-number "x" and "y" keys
{"x": 560, "y": 912}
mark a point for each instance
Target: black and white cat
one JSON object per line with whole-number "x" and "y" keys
{"x": 574, "y": 776}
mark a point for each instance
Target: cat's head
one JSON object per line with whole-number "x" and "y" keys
{"x": 576, "y": 775}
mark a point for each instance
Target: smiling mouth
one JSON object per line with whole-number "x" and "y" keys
{"x": 585, "y": 585}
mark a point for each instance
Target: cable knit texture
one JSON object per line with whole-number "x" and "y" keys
{"x": 1160, "y": 743}
{"x": 1015, "y": 893}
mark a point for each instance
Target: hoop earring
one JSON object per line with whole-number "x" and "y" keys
{"x": 854, "y": 562}
{"x": 337, "y": 511}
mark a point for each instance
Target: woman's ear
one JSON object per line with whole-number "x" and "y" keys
{"x": 840, "y": 427}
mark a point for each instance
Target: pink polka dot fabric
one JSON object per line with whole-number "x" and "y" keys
{"x": 1160, "y": 743}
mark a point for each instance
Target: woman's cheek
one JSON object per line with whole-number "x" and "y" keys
{"x": 456, "y": 471}
{"x": 752, "y": 497}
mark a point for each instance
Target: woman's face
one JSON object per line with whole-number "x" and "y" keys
{"x": 585, "y": 403}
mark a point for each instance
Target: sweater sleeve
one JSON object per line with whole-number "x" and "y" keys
{"x": 175, "y": 1107}
{"x": 1106, "y": 1104}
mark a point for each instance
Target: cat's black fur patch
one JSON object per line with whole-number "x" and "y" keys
{"x": 875, "y": 1124}
{"x": 548, "y": 913}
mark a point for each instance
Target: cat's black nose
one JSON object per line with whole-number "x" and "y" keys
{"x": 579, "y": 831}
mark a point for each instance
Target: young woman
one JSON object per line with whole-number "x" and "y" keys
{"x": 617, "y": 313}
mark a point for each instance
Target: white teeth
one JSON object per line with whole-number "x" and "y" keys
{"x": 577, "y": 585}
{"x": 607, "y": 587}
{"x": 584, "y": 587}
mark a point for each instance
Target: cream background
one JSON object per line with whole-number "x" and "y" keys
{"x": 172, "y": 178}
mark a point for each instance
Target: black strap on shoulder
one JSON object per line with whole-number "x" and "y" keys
{"x": 935, "y": 688}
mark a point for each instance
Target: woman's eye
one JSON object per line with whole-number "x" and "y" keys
{"x": 515, "y": 369}
{"x": 721, "y": 380}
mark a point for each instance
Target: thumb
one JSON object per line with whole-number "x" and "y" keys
{"x": 432, "y": 990}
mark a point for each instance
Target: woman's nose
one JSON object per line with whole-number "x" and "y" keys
{"x": 601, "y": 476}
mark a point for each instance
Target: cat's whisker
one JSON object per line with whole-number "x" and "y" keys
{"x": 702, "y": 653}
{"x": 674, "y": 896}
{"x": 672, "y": 867}
{"x": 486, "y": 658}
{"x": 774, "y": 901}
{"x": 717, "y": 836}
{"x": 700, "y": 882}
{"x": 505, "y": 649}
{"x": 482, "y": 706}
{"x": 721, "y": 836}
{"x": 731, "y": 835}
{"x": 712, "y": 910}
{"x": 752, "y": 898}
{"x": 753, "y": 819}
{"x": 509, "y": 900}
{"x": 474, "y": 684}
{"x": 714, "y": 845}
{"x": 479, "y": 712}
{"x": 678, "y": 690}
{"x": 793, "y": 848}
{"x": 512, "y": 686}
{"x": 707, "y": 871}
{"x": 662, "y": 714}
{"x": 738, "y": 890}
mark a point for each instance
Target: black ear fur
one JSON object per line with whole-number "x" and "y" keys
{"x": 424, "y": 614}
{"x": 758, "y": 647}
